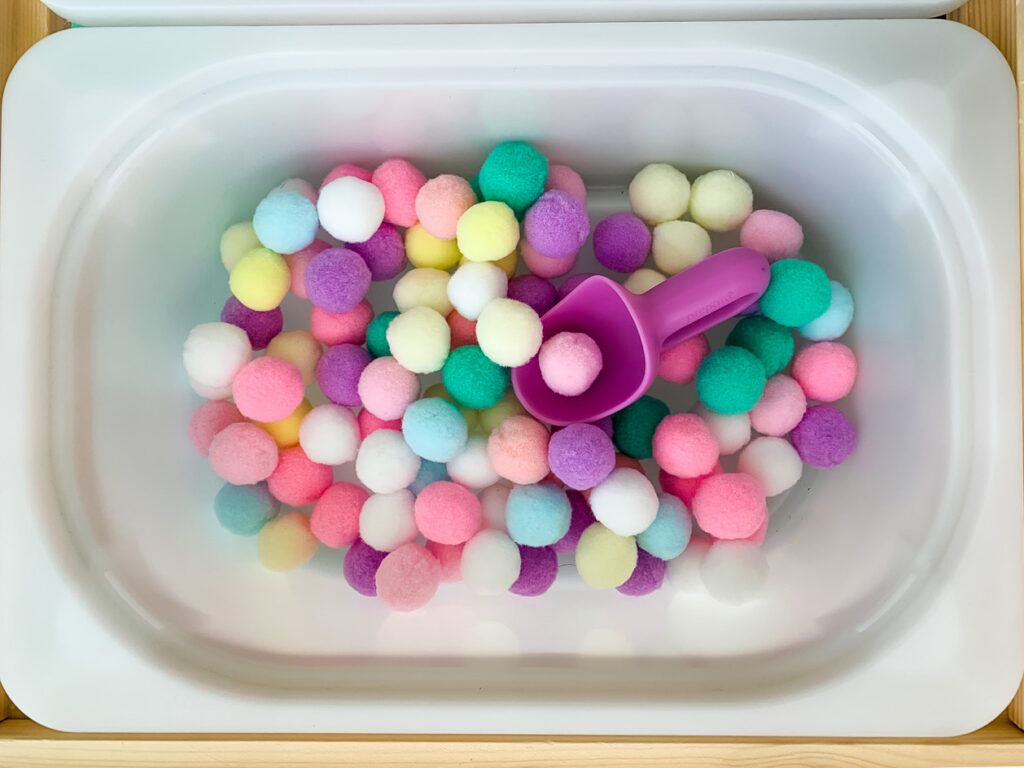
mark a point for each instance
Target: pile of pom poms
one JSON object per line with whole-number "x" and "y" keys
{"x": 448, "y": 477}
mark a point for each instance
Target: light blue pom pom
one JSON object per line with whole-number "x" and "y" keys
{"x": 669, "y": 534}
{"x": 430, "y": 472}
{"x": 836, "y": 319}
{"x": 434, "y": 429}
{"x": 244, "y": 509}
{"x": 285, "y": 221}
{"x": 537, "y": 515}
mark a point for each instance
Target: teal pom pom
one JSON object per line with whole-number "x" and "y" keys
{"x": 798, "y": 292}
{"x": 668, "y": 536}
{"x": 377, "y": 334}
{"x": 633, "y": 427}
{"x": 514, "y": 173}
{"x": 771, "y": 342}
{"x": 730, "y": 380}
{"x": 245, "y": 509}
{"x": 473, "y": 379}
{"x": 430, "y": 472}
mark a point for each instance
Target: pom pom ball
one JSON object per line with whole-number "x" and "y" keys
{"x": 543, "y": 266}
{"x": 286, "y": 543}
{"x": 771, "y": 342}
{"x": 570, "y": 362}
{"x": 565, "y": 179}
{"x": 634, "y": 426}
{"x": 490, "y": 562}
{"x": 780, "y": 408}
{"x": 237, "y": 240}
{"x": 538, "y": 569}
{"x": 684, "y": 446}
{"x": 825, "y": 371}
{"x": 518, "y": 449}
{"x": 408, "y": 578}
{"x": 267, "y": 389}
{"x": 301, "y": 186}
{"x": 383, "y": 253}
{"x": 449, "y": 557}
{"x": 346, "y": 169}
{"x": 301, "y": 349}
{"x": 604, "y": 559}
{"x": 625, "y": 502}
{"x": 214, "y": 353}
{"x": 643, "y": 280}
{"x": 334, "y": 328}
{"x": 571, "y": 283}
{"x": 428, "y": 252}
{"x": 537, "y": 515}
{"x": 387, "y": 520}
{"x": 557, "y": 225}
{"x": 647, "y": 576}
{"x": 508, "y": 406}
{"x": 463, "y": 331}
{"x": 774, "y": 462}
{"x": 536, "y": 292}
{"x": 836, "y": 319}
{"x": 368, "y": 424}
{"x": 678, "y": 245}
{"x": 798, "y": 292}
{"x": 581, "y": 518}
{"x": 487, "y": 232}
{"x": 730, "y": 506}
{"x": 360, "y": 568}
{"x": 441, "y": 201}
{"x": 670, "y": 532}
{"x": 419, "y": 339}
{"x": 336, "y": 514}
{"x": 514, "y": 173}
{"x": 244, "y": 509}
{"x": 734, "y": 572}
{"x": 243, "y": 454}
{"x": 350, "y": 209}
{"x": 387, "y": 389}
{"x": 285, "y": 221}
{"x": 448, "y": 513}
{"x": 338, "y": 373}
{"x": 581, "y": 455}
{"x": 429, "y": 472}
{"x": 434, "y": 429}
{"x": 731, "y": 431}
{"x": 336, "y": 279}
{"x": 474, "y": 285}
{"x": 423, "y": 287}
{"x": 721, "y": 201}
{"x": 286, "y": 431}
{"x": 385, "y": 463}
{"x": 621, "y": 242}
{"x": 329, "y": 434}
{"x": 298, "y": 262}
{"x": 730, "y": 380}
{"x": 399, "y": 181}
{"x": 685, "y": 488}
{"x": 659, "y": 193}
{"x": 472, "y": 467}
{"x": 473, "y": 379}
{"x": 297, "y": 481}
{"x": 775, "y": 234}
{"x": 260, "y": 327}
{"x": 377, "y": 334}
{"x": 260, "y": 280}
{"x": 679, "y": 364}
{"x": 208, "y": 420}
{"x": 509, "y": 332}
{"x": 824, "y": 438}
{"x": 493, "y": 503}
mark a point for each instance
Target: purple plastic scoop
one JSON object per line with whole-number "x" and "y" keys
{"x": 632, "y": 329}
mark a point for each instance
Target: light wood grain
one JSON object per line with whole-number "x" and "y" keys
{"x": 24, "y": 744}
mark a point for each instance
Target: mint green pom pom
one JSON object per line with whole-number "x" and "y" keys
{"x": 633, "y": 427}
{"x": 730, "y": 380}
{"x": 473, "y": 379}
{"x": 377, "y": 334}
{"x": 771, "y": 342}
{"x": 514, "y": 173}
{"x": 799, "y": 292}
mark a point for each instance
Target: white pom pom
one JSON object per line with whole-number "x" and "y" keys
{"x": 734, "y": 572}
{"x": 493, "y": 501}
{"x": 387, "y": 521}
{"x": 643, "y": 280}
{"x": 678, "y": 245}
{"x": 625, "y": 502}
{"x": 509, "y": 332}
{"x": 732, "y": 431}
{"x": 721, "y": 201}
{"x": 659, "y": 193}
{"x": 683, "y": 572}
{"x": 385, "y": 462}
{"x": 350, "y": 209}
{"x": 774, "y": 462}
{"x": 420, "y": 340}
{"x": 474, "y": 285}
{"x": 301, "y": 186}
{"x": 210, "y": 393}
{"x": 329, "y": 434}
{"x": 490, "y": 562}
{"x": 472, "y": 467}
{"x": 214, "y": 353}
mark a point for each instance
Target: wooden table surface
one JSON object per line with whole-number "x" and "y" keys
{"x": 24, "y": 744}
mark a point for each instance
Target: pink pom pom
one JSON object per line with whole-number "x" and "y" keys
{"x": 570, "y": 362}
{"x": 346, "y": 169}
{"x": 408, "y": 578}
{"x": 335, "y": 518}
{"x": 775, "y": 234}
{"x": 387, "y": 389}
{"x": 680, "y": 363}
{"x": 448, "y": 513}
{"x": 450, "y": 558}
{"x": 685, "y": 488}
{"x": 368, "y": 424}
{"x": 268, "y": 389}
{"x": 441, "y": 201}
{"x": 684, "y": 446}
{"x": 243, "y": 454}
{"x": 780, "y": 408}
{"x": 518, "y": 450}
{"x": 730, "y": 506}
{"x": 542, "y": 266}
{"x": 463, "y": 331}
{"x": 825, "y": 371}
{"x": 565, "y": 179}
{"x": 209, "y": 420}
{"x": 399, "y": 181}
{"x": 333, "y": 328}
{"x": 297, "y": 263}
{"x": 297, "y": 481}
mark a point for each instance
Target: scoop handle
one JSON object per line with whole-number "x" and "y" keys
{"x": 720, "y": 287}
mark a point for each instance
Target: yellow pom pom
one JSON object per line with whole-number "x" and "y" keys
{"x": 286, "y": 542}
{"x": 423, "y": 287}
{"x": 507, "y": 264}
{"x": 487, "y": 231}
{"x": 260, "y": 280}
{"x": 509, "y": 405}
{"x": 300, "y": 349}
{"x": 604, "y": 559}
{"x": 286, "y": 431}
{"x": 237, "y": 240}
{"x": 425, "y": 250}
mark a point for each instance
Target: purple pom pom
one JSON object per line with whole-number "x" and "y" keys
{"x": 605, "y": 425}
{"x": 338, "y": 373}
{"x": 571, "y": 283}
{"x": 360, "y": 567}
{"x": 260, "y": 327}
{"x": 557, "y": 225}
{"x": 824, "y": 437}
{"x": 647, "y": 576}
{"x": 581, "y": 455}
{"x": 622, "y": 242}
{"x": 384, "y": 252}
{"x": 537, "y": 571}
{"x": 337, "y": 279}
{"x": 582, "y": 518}
{"x": 536, "y": 292}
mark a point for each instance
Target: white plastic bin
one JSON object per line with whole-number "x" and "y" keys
{"x": 888, "y": 608}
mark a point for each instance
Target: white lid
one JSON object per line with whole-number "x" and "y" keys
{"x": 290, "y": 12}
